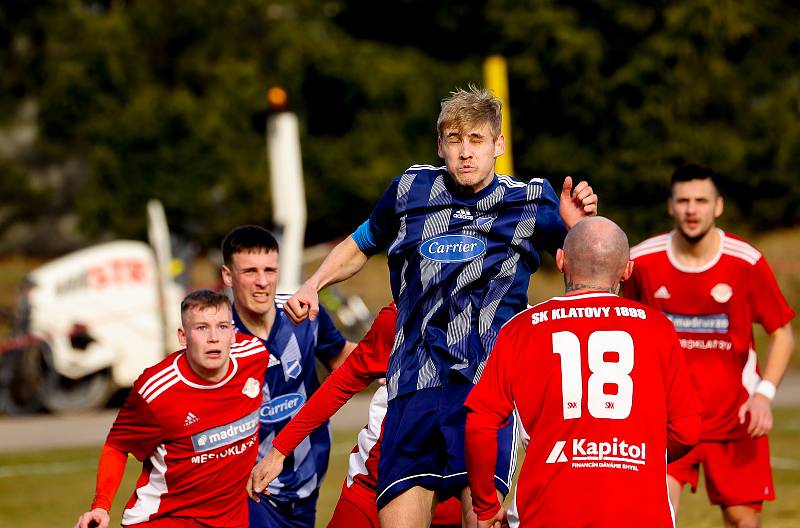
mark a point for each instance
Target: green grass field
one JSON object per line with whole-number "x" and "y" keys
{"x": 52, "y": 488}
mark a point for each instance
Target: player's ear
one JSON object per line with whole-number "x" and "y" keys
{"x": 560, "y": 260}
{"x": 181, "y": 337}
{"x": 439, "y": 148}
{"x": 227, "y": 277}
{"x": 499, "y": 146}
{"x": 626, "y": 274}
{"x": 719, "y": 206}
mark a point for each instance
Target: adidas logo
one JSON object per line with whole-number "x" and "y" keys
{"x": 190, "y": 419}
{"x": 662, "y": 293}
{"x": 463, "y": 214}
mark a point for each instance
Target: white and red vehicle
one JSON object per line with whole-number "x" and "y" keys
{"x": 89, "y": 322}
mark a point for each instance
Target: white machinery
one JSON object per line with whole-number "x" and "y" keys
{"x": 90, "y": 322}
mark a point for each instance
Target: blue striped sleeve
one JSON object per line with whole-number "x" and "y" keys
{"x": 375, "y": 235}
{"x": 550, "y": 228}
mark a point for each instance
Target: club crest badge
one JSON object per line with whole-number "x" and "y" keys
{"x": 251, "y": 388}
{"x": 722, "y": 292}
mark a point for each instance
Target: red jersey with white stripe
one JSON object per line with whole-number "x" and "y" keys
{"x": 713, "y": 308}
{"x": 597, "y": 382}
{"x": 198, "y": 441}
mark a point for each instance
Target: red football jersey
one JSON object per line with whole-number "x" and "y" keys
{"x": 596, "y": 381}
{"x": 198, "y": 441}
{"x": 713, "y": 308}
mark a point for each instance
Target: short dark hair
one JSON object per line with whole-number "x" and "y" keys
{"x": 247, "y": 238}
{"x": 204, "y": 299}
{"x": 693, "y": 171}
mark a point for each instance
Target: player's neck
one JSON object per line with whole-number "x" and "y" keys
{"x": 210, "y": 376}
{"x": 259, "y": 325}
{"x": 695, "y": 252}
{"x": 580, "y": 287}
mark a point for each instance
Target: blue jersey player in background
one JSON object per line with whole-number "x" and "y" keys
{"x": 250, "y": 254}
{"x": 462, "y": 243}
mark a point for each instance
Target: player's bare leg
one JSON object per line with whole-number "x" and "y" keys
{"x": 741, "y": 517}
{"x": 674, "y": 487}
{"x": 411, "y": 509}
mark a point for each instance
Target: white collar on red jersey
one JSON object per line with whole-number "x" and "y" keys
{"x": 232, "y": 372}
{"x": 695, "y": 269}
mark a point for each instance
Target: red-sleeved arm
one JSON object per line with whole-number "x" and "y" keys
{"x": 364, "y": 365}
{"x": 489, "y": 405}
{"x": 769, "y": 306}
{"x": 110, "y": 469}
{"x": 684, "y": 420}
{"x": 682, "y": 435}
{"x": 136, "y": 429}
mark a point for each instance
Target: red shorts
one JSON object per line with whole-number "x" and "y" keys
{"x": 447, "y": 513}
{"x": 737, "y": 472}
{"x": 357, "y": 508}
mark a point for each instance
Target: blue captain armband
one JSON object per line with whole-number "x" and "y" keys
{"x": 362, "y": 236}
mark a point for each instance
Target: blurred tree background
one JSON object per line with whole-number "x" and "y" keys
{"x": 106, "y": 104}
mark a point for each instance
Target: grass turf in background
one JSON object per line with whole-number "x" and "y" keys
{"x": 52, "y": 488}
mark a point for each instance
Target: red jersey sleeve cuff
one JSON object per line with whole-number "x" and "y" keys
{"x": 488, "y": 514}
{"x": 101, "y": 501}
{"x": 283, "y": 449}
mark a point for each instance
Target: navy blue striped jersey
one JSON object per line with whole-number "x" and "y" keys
{"x": 291, "y": 379}
{"x": 459, "y": 267}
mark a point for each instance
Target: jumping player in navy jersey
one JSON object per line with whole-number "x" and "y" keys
{"x": 462, "y": 244}
{"x": 251, "y": 271}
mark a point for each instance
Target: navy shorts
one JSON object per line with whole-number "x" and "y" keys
{"x": 270, "y": 513}
{"x": 423, "y": 444}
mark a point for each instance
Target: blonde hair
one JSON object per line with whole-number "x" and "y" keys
{"x": 468, "y": 108}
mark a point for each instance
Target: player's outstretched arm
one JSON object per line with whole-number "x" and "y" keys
{"x": 759, "y": 405}
{"x": 576, "y": 203}
{"x": 110, "y": 469}
{"x": 343, "y": 262}
{"x": 265, "y": 472}
{"x": 98, "y": 517}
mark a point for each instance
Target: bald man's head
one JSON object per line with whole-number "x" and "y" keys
{"x": 595, "y": 255}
